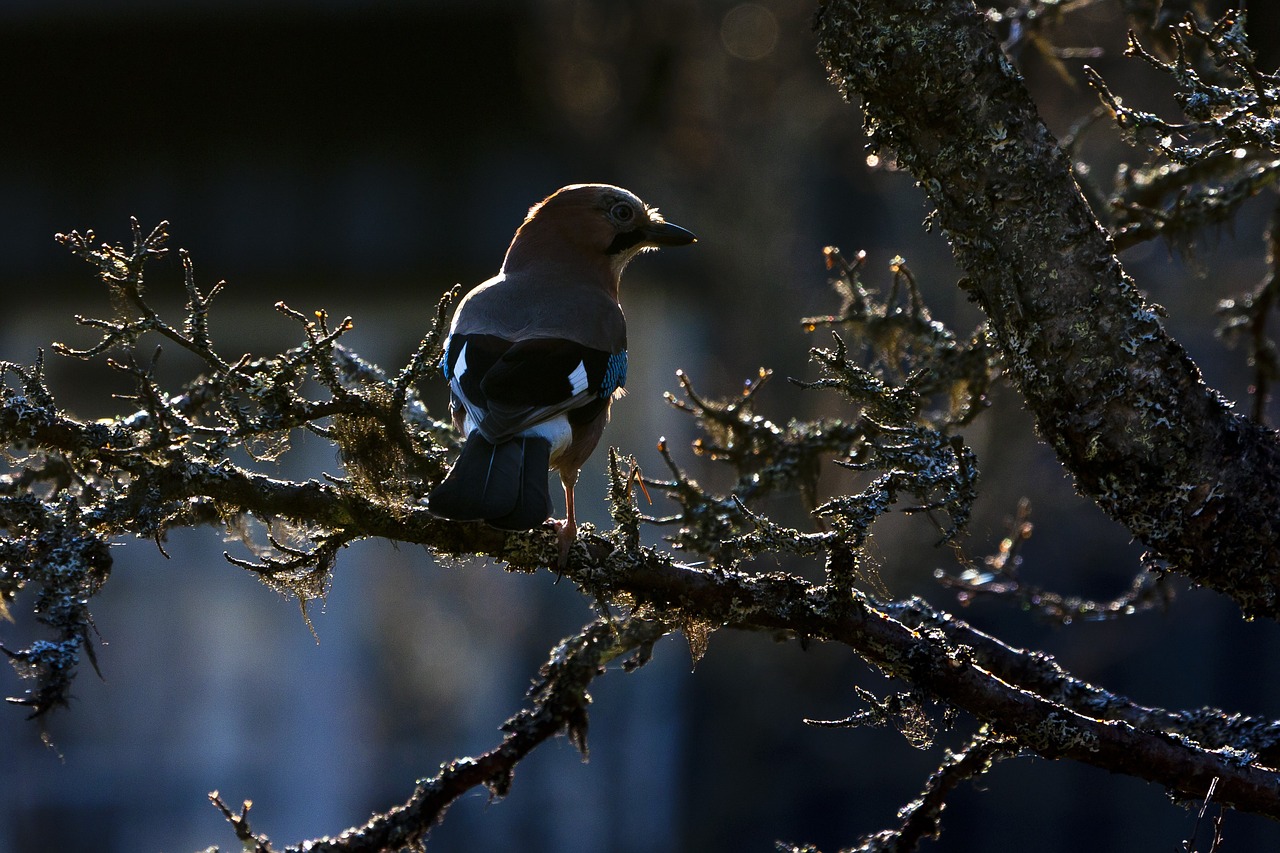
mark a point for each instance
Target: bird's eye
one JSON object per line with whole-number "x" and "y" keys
{"x": 622, "y": 212}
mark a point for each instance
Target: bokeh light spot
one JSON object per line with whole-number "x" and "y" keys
{"x": 749, "y": 31}
{"x": 586, "y": 86}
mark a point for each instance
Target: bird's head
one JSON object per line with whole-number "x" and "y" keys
{"x": 594, "y": 225}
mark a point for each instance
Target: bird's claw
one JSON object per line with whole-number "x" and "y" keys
{"x": 566, "y": 535}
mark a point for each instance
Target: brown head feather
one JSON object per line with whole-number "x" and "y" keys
{"x": 561, "y": 272}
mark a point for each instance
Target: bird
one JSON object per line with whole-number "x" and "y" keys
{"x": 536, "y": 356}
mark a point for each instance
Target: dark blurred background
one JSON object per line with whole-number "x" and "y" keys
{"x": 363, "y": 157}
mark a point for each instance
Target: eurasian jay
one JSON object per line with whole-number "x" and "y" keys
{"x": 537, "y": 354}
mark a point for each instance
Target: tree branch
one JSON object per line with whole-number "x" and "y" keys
{"x": 559, "y": 705}
{"x": 1120, "y": 401}
{"x": 1022, "y": 694}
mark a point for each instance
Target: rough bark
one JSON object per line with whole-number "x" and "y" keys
{"x": 1121, "y": 402}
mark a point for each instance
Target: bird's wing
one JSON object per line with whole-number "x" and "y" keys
{"x": 509, "y": 388}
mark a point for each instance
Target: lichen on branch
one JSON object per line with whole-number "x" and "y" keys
{"x": 191, "y": 457}
{"x": 1121, "y": 402}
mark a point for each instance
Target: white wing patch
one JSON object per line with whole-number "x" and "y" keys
{"x": 577, "y": 379}
{"x": 473, "y": 415}
{"x": 461, "y": 366}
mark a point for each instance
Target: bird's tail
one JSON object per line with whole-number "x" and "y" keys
{"x": 504, "y": 484}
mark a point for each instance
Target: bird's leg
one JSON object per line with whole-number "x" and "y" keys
{"x": 567, "y": 530}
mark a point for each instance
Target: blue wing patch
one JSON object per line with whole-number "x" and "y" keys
{"x": 448, "y": 357}
{"x": 615, "y": 374}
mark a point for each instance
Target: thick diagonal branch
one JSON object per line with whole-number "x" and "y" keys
{"x": 1120, "y": 401}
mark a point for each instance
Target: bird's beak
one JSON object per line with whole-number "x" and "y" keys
{"x": 668, "y": 234}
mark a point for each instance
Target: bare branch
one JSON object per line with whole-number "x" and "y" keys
{"x": 558, "y": 706}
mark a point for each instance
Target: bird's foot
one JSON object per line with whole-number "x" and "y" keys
{"x": 566, "y": 535}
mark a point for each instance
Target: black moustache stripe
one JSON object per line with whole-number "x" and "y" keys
{"x": 625, "y": 241}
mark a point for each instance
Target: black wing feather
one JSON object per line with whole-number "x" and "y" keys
{"x": 536, "y": 372}
{"x": 530, "y": 373}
